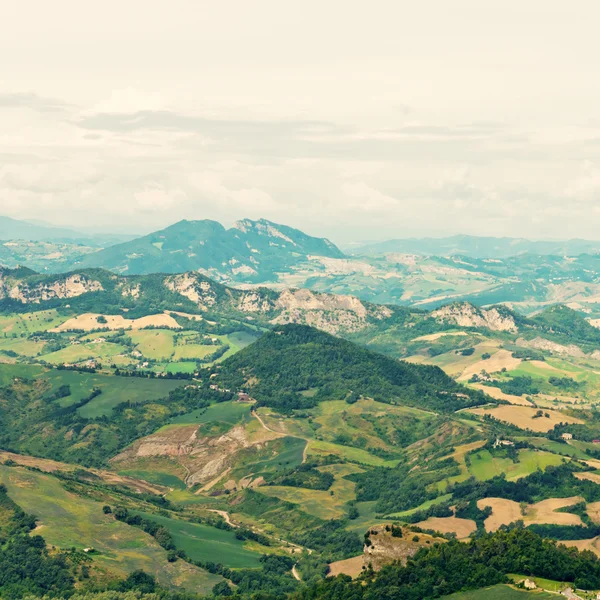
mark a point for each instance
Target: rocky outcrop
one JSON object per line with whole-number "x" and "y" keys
{"x": 197, "y": 290}
{"x": 70, "y": 286}
{"x": 467, "y": 315}
{"x": 540, "y": 343}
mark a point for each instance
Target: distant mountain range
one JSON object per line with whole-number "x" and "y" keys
{"x": 252, "y": 251}
{"x": 478, "y": 247}
{"x": 16, "y": 229}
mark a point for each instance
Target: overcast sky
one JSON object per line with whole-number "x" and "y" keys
{"x": 350, "y": 119}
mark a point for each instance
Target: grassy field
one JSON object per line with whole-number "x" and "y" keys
{"x": 21, "y": 346}
{"x": 485, "y": 466}
{"x": 114, "y": 389}
{"x": 224, "y": 412}
{"x": 205, "y": 543}
{"x": 76, "y": 353}
{"x": 330, "y": 504}
{"x": 570, "y": 449}
{"x": 66, "y": 520}
{"x": 31, "y": 322}
{"x": 500, "y": 592}
{"x": 356, "y": 455}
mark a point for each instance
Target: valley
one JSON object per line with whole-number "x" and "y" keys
{"x": 233, "y": 429}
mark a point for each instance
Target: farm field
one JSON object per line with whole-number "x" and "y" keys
{"x": 205, "y": 543}
{"x": 322, "y": 504}
{"x": 66, "y": 520}
{"x": 505, "y": 512}
{"x": 17, "y": 324}
{"x": 522, "y": 417}
{"x": 114, "y": 389}
{"x": 566, "y": 449}
{"x": 500, "y": 592}
{"x": 485, "y": 466}
{"x": 461, "y": 527}
{"x": 77, "y": 353}
{"x": 223, "y": 412}
{"x": 89, "y": 321}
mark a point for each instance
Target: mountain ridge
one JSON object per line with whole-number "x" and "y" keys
{"x": 250, "y": 250}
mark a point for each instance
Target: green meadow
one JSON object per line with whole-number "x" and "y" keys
{"x": 205, "y": 543}
{"x": 66, "y": 520}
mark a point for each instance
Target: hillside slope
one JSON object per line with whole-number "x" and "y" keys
{"x": 296, "y": 366}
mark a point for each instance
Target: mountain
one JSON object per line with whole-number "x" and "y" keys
{"x": 15, "y": 229}
{"x": 250, "y": 250}
{"x": 479, "y": 247}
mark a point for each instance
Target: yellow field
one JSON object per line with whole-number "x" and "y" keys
{"x": 498, "y": 394}
{"x": 462, "y": 527}
{"x": 351, "y": 566}
{"x": 522, "y": 417}
{"x": 505, "y": 512}
{"x": 436, "y": 336}
{"x": 89, "y": 321}
{"x": 502, "y": 359}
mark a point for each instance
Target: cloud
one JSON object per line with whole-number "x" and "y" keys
{"x": 33, "y": 102}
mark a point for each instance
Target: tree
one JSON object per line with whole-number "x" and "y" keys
{"x": 222, "y": 589}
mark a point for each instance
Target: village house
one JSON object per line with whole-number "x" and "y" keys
{"x": 243, "y": 397}
{"x": 567, "y": 436}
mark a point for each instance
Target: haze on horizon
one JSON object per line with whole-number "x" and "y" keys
{"x": 350, "y": 120}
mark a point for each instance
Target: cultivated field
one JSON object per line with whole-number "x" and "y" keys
{"x": 501, "y": 359}
{"x": 505, "y": 512}
{"x": 89, "y": 321}
{"x": 462, "y": 527}
{"x": 522, "y": 417}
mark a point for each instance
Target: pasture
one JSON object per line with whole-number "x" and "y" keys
{"x": 205, "y": 543}
{"x": 330, "y": 504}
{"x": 230, "y": 413}
{"x": 16, "y": 324}
{"x": 500, "y": 592}
{"x": 66, "y": 520}
{"x": 485, "y": 466}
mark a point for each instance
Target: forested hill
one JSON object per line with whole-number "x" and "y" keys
{"x": 295, "y": 366}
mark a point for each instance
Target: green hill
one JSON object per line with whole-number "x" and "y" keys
{"x": 295, "y": 366}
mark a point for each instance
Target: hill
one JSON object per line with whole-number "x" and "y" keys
{"x": 295, "y": 366}
{"x": 250, "y": 250}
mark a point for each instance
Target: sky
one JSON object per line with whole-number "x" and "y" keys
{"x": 348, "y": 119}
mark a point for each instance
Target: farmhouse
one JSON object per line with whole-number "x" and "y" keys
{"x": 243, "y": 397}
{"x": 567, "y": 436}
